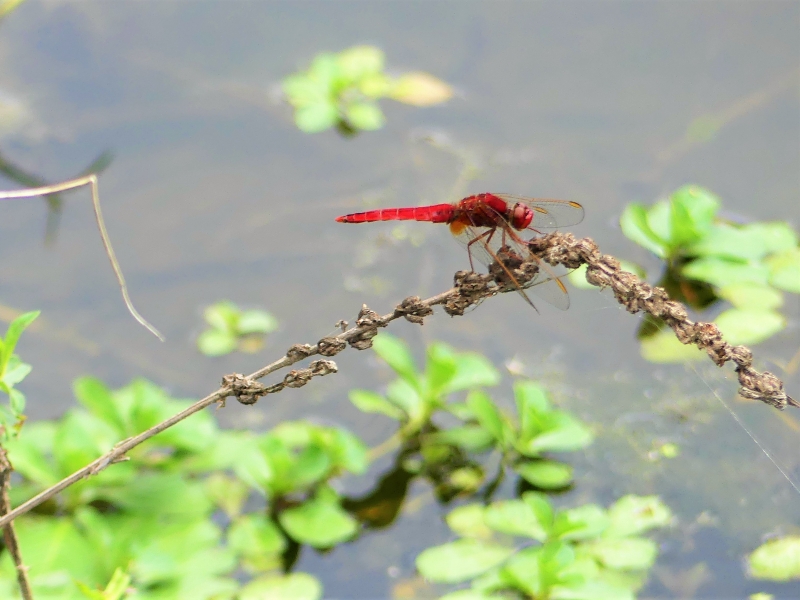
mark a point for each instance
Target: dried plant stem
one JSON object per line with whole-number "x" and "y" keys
{"x": 91, "y": 181}
{"x": 9, "y": 535}
{"x": 470, "y": 289}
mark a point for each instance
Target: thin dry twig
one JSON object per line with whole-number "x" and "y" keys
{"x": 9, "y": 535}
{"x": 91, "y": 181}
{"x": 470, "y": 289}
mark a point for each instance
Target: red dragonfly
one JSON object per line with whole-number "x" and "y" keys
{"x": 488, "y": 224}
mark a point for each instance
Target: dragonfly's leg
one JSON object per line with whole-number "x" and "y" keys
{"x": 510, "y": 275}
{"x": 488, "y": 233}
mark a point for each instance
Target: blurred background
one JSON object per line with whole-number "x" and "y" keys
{"x": 213, "y": 193}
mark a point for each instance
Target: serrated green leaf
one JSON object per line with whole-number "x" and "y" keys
{"x": 472, "y": 370}
{"x": 726, "y": 241}
{"x": 471, "y": 438}
{"x": 440, "y": 367}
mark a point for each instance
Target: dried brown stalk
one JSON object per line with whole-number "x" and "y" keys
{"x": 470, "y": 289}
{"x": 9, "y": 535}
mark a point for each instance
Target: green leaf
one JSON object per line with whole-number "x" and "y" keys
{"x": 749, "y": 326}
{"x": 692, "y": 213}
{"x": 365, "y": 115}
{"x": 360, "y": 61}
{"x": 216, "y": 342}
{"x": 95, "y": 396}
{"x": 472, "y": 370}
{"x": 15, "y": 372}
{"x": 524, "y": 571}
{"x": 396, "y": 354}
{"x": 420, "y": 89}
{"x": 545, "y": 474}
{"x": 440, "y": 368}
{"x": 720, "y": 272}
{"x": 226, "y": 492}
{"x": 564, "y": 434}
{"x": 467, "y": 521}
{"x": 348, "y": 451}
{"x": 591, "y": 590}
{"x": 257, "y": 539}
{"x": 634, "y": 515}
{"x": 471, "y": 438}
{"x": 777, "y": 236}
{"x": 752, "y": 296}
{"x": 541, "y": 507}
{"x": 726, "y": 241}
{"x": 515, "y": 517}
{"x": 319, "y": 523}
{"x": 664, "y": 347}
{"x": 488, "y": 416}
{"x": 460, "y": 560}
{"x": 223, "y": 315}
{"x": 325, "y": 70}
{"x": 635, "y": 226}
{"x": 297, "y": 586}
{"x": 16, "y": 401}
{"x": 405, "y": 396}
{"x": 776, "y": 560}
{"x": 256, "y": 321}
{"x": 28, "y": 453}
{"x": 581, "y": 523}
{"x": 313, "y": 118}
{"x": 302, "y": 90}
{"x": 15, "y": 329}
{"x": 370, "y": 402}
{"x": 784, "y": 270}
{"x": 626, "y": 554}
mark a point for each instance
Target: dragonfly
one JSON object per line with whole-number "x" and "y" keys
{"x": 490, "y": 226}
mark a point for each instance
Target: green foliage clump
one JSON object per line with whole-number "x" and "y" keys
{"x": 231, "y": 328}
{"x": 583, "y": 552}
{"x": 709, "y": 260}
{"x": 12, "y": 372}
{"x": 342, "y": 90}
{"x": 522, "y": 439}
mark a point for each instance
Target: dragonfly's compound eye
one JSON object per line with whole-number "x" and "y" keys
{"x": 521, "y": 217}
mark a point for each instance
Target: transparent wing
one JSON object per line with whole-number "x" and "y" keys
{"x": 485, "y": 245}
{"x": 547, "y": 213}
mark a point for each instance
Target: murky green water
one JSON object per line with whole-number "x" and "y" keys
{"x": 213, "y": 194}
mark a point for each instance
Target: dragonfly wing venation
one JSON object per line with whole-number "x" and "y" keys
{"x": 549, "y": 213}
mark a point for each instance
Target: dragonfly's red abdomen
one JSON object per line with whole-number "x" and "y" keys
{"x": 438, "y": 213}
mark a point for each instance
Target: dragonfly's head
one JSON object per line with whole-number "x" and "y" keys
{"x": 521, "y": 216}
